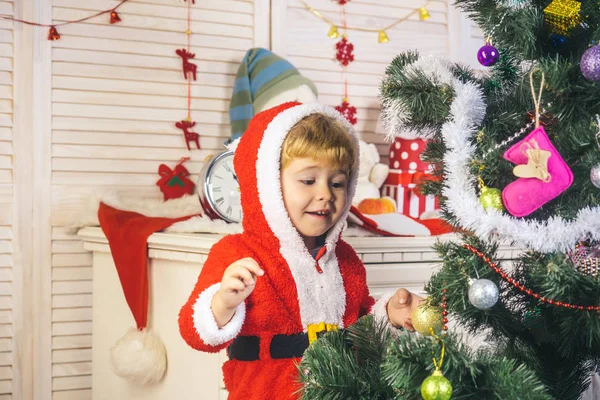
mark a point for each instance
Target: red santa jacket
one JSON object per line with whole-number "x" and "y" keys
{"x": 292, "y": 295}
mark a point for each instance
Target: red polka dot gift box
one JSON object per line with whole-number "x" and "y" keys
{"x": 406, "y": 171}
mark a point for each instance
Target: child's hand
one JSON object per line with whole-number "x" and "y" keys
{"x": 400, "y": 308}
{"x": 239, "y": 280}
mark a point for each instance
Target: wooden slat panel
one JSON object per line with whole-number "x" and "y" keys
{"x": 71, "y": 260}
{"x": 72, "y": 382}
{"x": 72, "y": 342}
{"x": 6, "y": 386}
{"x": 71, "y": 287}
{"x": 71, "y": 274}
{"x": 6, "y": 359}
{"x": 5, "y": 302}
{"x": 6, "y": 344}
{"x": 72, "y": 328}
{"x": 81, "y": 394}
{"x": 72, "y": 314}
{"x": 69, "y": 356}
{"x": 10, "y": 319}
{"x": 92, "y": 124}
{"x": 72, "y": 369}
{"x": 6, "y": 373}
{"x": 70, "y": 301}
{"x": 127, "y": 73}
{"x": 117, "y": 91}
{"x": 67, "y": 246}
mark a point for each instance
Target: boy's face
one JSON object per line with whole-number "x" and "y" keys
{"x": 314, "y": 195}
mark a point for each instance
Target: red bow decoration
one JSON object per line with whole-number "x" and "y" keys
{"x": 175, "y": 183}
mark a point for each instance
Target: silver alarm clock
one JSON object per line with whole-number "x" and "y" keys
{"x": 218, "y": 188}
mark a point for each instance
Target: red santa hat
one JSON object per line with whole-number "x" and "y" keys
{"x": 139, "y": 356}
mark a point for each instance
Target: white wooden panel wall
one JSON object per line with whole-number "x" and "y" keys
{"x": 7, "y": 341}
{"x": 301, "y": 37}
{"x": 117, "y": 91}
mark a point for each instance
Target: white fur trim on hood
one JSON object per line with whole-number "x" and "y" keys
{"x": 321, "y": 296}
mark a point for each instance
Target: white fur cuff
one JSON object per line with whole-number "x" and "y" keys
{"x": 206, "y": 325}
{"x": 379, "y": 309}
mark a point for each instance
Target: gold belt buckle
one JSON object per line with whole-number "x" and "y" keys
{"x": 314, "y": 329}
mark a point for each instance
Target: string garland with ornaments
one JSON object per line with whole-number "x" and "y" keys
{"x": 345, "y": 49}
{"x": 524, "y": 289}
{"x": 189, "y": 73}
{"x": 556, "y": 234}
{"x": 53, "y": 34}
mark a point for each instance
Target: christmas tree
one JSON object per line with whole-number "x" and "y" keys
{"x": 515, "y": 152}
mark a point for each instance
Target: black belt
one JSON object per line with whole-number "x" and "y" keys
{"x": 247, "y": 348}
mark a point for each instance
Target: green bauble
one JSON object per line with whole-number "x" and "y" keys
{"x": 426, "y": 317}
{"x": 436, "y": 387}
{"x": 491, "y": 198}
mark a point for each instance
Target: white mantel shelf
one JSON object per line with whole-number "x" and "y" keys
{"x": 194, "y": 247}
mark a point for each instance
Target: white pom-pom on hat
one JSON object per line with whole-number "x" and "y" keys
{"x": 139, "y": 357}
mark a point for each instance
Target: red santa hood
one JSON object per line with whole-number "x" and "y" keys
{"x": 257, "y": 165}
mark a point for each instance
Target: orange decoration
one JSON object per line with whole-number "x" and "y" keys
{"x": 53, "y": 34}
{"x": 114, "y": 17}
{"x": 377, "y": 206}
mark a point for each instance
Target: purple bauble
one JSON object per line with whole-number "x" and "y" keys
{"x": 590, "y": 64}
{"x": 487, "y": 55}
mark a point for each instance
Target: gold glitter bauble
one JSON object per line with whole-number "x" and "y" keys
{"x": 491, "y": 198}
{"x": 426, "y": 317}
{"x": 436, "y": 387}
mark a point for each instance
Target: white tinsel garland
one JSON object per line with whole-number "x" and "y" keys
{"x": 467, "y": 111}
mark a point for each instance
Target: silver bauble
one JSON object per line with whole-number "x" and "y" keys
{"x": 595, "y": 175}
{"x": 483, "y": 293}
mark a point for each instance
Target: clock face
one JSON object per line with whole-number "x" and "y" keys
{"x": 223, "y": 189}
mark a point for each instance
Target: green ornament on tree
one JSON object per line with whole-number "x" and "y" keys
{"x": 436, "y": 387}
{"x": 491, "y": 198}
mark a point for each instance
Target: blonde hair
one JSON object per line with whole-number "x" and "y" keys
{"x": 319, "y": 136}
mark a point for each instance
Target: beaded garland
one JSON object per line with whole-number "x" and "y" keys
{"x": 522, "y": 288}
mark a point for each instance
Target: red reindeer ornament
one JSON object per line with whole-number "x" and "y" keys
{"x": 188, "y": 67}
{"x": 185, "y": 126}
{"x": 175, "y": 183}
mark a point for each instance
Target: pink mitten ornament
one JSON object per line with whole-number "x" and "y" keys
{"x": 542, "y": 171}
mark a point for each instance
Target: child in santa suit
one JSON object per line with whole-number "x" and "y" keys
{"x": 266, "y": 293}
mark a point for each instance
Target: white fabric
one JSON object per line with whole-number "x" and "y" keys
{"x": 379, "y": 309}
{"x": 206, "y": 325}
